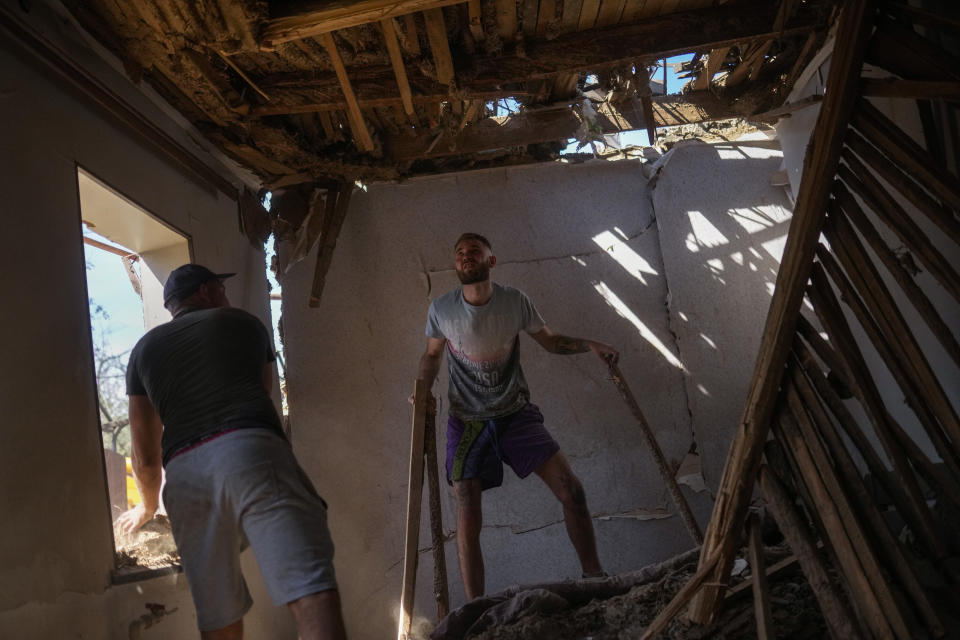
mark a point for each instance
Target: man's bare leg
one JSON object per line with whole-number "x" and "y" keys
{"x": 558, "y": 475}
{"x": 318, "y": 616}
{"x": 469, "y": 523}
{"x": 230, "y": 632}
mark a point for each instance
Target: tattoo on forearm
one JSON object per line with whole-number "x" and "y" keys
{"x": 565, "y": 345}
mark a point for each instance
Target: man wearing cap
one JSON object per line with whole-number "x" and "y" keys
{"x": 492, "y": 420}
{"x": 200, "y": 408}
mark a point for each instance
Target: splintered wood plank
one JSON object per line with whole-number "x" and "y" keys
{"x": 546, "y": 16}
{"x": 819, "y": 168}
{"x": 475, "y": 12}
{"x": 714, "y": 60}
{"x": 758, "y": 571}
{"x": 529, "y": 9}
{"x": 570, "y": 17}
{"x": 610, "y": 12}
{"x": 507, "y": 18}
{"x": 414, "y": 497}
{"x": 396, "y": 59}
{"x": 335, "y": 211}
{"x": 357, "y": 126}
{"x": 835, "y": 611}
{"x": 340, "y": 14}
{"x": 439, "y": 45}
{"x": 588, "y": 14}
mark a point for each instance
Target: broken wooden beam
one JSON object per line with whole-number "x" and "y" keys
{"x": 358, "y": 126}
{"x": 554, "y": 124}
{"x": 306, "y": 19}
{"x": 667, "y": 473}
{"x": 758, "y": 572}
{"x": 819, "y": 167}
{"x": 332, "y": 222}
{"x": 888, "y": 257}
{"x": 441, "y": 591}
{"x": 591, "y": 50}
{"x": 879, "y": 531}
{"x": 439, "y": 45}
{"x": 396, "y": 59}
{"x": 795, "y": 530}
{"x": 914, "y": 89}
{"x": 421, "y": 391}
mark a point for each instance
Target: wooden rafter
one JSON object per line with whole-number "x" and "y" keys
{"x": 334, "y": 213}
{"x": 567, "y": 54}
{"x": 390, "y": 101}
{"x": 820, "y": 165}
{"x": 357, "y": 125}
{"x": 439, "y": 45}
{"x": 553, "y": 124}
{"x": 715, "y": 59}
{"x": 396, "y": 59}
{"x": 315, "y": 18}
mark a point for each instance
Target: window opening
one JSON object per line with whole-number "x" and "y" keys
{"x": 128, "y": 254}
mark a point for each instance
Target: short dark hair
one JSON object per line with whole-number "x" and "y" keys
{"x": 472, "y": 236}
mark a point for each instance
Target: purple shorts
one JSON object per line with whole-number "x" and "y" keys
{"x": 478, "y": 448}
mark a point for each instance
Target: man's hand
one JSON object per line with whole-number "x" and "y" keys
{"x": 135, "y": 518}
{"x": 605, "y": 352}
{"x": 431, "y": 402}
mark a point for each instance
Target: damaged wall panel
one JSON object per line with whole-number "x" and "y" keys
{"x": 581, "y": 240}
{"x": 722, "y": 228}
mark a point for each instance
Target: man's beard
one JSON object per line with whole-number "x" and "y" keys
{"x": 479, "y": 273}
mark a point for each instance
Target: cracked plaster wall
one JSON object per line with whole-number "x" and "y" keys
{"x": 722, "y": 230}
{"x": 581, "y": 241}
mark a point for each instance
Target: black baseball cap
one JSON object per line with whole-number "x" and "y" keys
{"x": 185, "y": 280}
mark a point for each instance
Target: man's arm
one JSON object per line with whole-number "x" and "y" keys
{"x": 145, "y": 431}
{"x": 430, "y": 360}
{"x": 565, "y": 345}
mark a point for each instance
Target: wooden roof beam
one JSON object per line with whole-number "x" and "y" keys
{"x": 312, "y": 18}
{"x": 552, "y": 124}
{"x": 396, "y": 59}
{"x": 357, "y": 125}
{"x": 439, "y": 45}
{"x": 587, "y": 51}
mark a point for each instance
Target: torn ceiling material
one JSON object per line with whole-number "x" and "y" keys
{"x": 376, "y": 90}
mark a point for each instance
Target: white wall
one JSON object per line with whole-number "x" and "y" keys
{"x": 582, "y": 241}
{"x": 56, "y": 549}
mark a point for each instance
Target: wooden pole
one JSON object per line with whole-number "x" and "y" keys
{"x": 663, "y": 466}
{"x": 859, "y": 179}
{"x": 761, "y": 593}
{"x": 835, "y": 612}
{"x": 819, "y": 167}
{"x": 828, "y": 308}
{"x": 441, "y": 592}
{"x": 414, "y": 496}
{"x": 938, "y": 214}
{"x": 912, "y": 290}
{"x": 846, "y": 546}
{"x": 894, "y": 328}
{"x": 860, "y": 497}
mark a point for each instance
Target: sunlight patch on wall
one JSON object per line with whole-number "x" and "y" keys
{"x": 704, "y": 234}
{"x": 629, "y": 259}
{"x": 624, "y": 311}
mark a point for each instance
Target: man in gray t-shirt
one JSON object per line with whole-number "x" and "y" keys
{"x": 491, "y": 417}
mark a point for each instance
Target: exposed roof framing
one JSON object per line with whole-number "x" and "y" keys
{"x": 378, "y": 89}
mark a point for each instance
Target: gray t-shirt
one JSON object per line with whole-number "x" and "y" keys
{"x": 483, "y": 347}
{"x": 203, "y": 372}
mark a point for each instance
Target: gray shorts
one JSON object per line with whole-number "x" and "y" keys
{"x": 246, "y": 486}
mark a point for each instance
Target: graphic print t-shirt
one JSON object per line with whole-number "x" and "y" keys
{"x": 483, "y": 347}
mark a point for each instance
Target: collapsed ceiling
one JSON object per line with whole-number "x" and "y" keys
{"x": 303, "y": 90}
